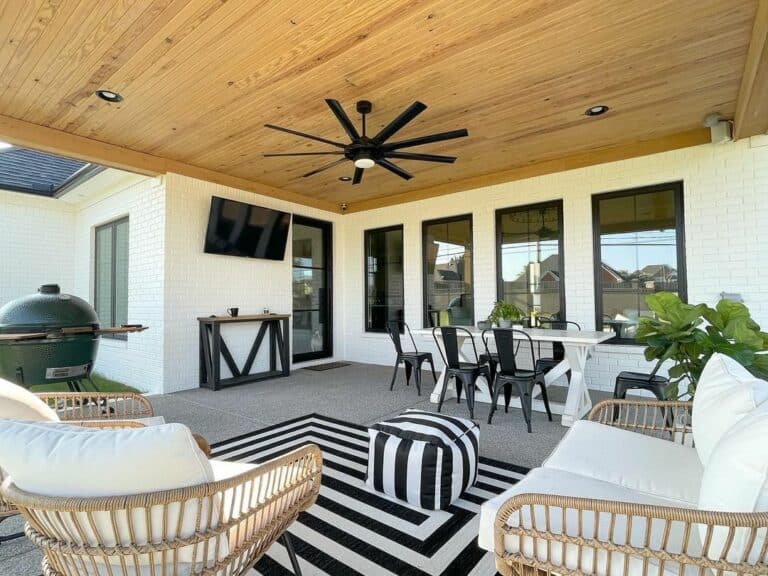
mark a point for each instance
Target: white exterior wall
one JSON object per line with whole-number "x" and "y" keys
{"x": 199, "y": 284}
{"x": 137, "y": 361}
{"x": 726, "y": 205}
{"x": 172, "y": 282}
{"x": 36, "y": 240}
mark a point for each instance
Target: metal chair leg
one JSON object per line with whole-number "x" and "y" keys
{"x": 545, "y": 398}
{"x": 470, "y": 386}
{"x": 442, "y": 393}
{"x": 394, "y": 375}
{"x": 432, "y": 365}
{"x": 417, "y": 378}
{"x": 286, "y": 540}
{"x": 496, "y": 389}
{"x": 525, "y": 403}
{"x": 408, "y": 370}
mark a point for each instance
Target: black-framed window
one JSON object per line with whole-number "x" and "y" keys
{"x": 529, "y": 258}
{"x": 110, "y": 286}
{"x": 384, "y": 300}
{"x": 639, "y": 243}
{"x": 448, "y": 279}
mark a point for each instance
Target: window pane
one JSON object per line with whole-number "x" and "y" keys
{"x": 121, "y": 273}
{"x": 448, "y": 272}
{"x": 308, "y": 289}
{"x": 103, "y": 276}
{"x": 308, "y": 332}
{"x": 383, "y": 278}
{"x": 638, "y": 255}
{"x": 530, "y": 259}
{"x": 308, "y": 250}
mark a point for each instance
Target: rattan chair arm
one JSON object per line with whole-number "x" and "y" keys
{"x": 686, "y": 519}
{"x": 91, "y": 405}
{"x": 669, "y": 420}
{"x": 106, "y": 424}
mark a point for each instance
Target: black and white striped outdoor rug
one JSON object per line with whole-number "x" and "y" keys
{"x": 352, "y": 530}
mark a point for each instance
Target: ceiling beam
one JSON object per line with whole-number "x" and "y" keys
{"x": 601, "y": 156}
{"x": 44, "y": 139}
{"x": 751, "y": 116}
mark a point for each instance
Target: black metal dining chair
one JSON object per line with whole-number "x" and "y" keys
{"x": 511, "y": 345}
{"x": 464, "y": 373}
{"x": 544, "y": 365}
{"x": 411, "y": 359}
{"x": 489, "y": 357}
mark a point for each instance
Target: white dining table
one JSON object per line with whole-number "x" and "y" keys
{"x": 577, "y": 345}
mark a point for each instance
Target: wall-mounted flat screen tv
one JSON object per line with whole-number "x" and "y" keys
{"x": 240, "y": 229}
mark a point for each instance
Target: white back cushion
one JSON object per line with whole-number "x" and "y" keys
{"x": 725, "y": 394}
{"x": 19, "y": 403}
{"x": 55, "y": 459}
{"x": 736, "y": 480}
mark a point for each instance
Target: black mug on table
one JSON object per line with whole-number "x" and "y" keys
{"x": 233, "y": 312}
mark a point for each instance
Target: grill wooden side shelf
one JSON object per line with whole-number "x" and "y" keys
{"x": 213, "y": 349}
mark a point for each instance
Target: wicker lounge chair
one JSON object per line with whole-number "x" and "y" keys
{"x": 641, "y": 539}
{"x": 92, "y": 409}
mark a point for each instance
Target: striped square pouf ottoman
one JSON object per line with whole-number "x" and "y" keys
{"x": 424, "y": 458}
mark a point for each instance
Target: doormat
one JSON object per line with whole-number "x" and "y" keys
{"x": 327, "y": 366}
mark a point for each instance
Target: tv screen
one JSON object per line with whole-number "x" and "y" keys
{"x": 240, "y": 229}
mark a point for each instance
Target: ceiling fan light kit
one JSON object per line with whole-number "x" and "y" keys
{"x": 366, "y": 152}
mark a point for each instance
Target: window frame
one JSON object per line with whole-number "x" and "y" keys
{"x": 366, "y": 235}
{"x": 682, "y": 271}
{"x": 560, "y": 246}
{"x": 112, "y": 225}
{"x": 446, "y": 220}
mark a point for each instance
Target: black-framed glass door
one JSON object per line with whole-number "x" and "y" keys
{"x": 312, "y": 288}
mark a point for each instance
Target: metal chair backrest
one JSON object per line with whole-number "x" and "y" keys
{"x": 394, "y": 329}
{"x": 450, "y": 345}
{"x": 485, "y": 338}
{"x": 558, "y": 352}
{"x": 509, "y": 350}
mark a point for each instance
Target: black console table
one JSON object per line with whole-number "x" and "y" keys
{"x": 213, "y": 349}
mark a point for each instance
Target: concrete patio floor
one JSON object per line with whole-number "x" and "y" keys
{"x": 356, "y": 393}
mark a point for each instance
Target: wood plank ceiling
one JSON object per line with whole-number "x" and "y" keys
{"x": 201, "y": 77}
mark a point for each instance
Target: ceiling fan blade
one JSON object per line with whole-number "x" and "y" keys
{"x": 324, "y": 167}
{"x": 422, "y": 157}
{"x": 426, "y": 139}
{"x": 295, "y": 133}
{"x": 405, "y": 116}
{"x": 358, "y": 176}
{"x": 394, "y": 168}
{"x": 303, "y": 154}
{"x": 343, "y": 119}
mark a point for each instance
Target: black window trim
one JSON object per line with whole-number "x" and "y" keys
{"x": 112, "y": 225}
{"x": 366, "y": 235}
{"x": 447, "y": 220}
{"x": 558, "y": 203}
{"x": 682, "y": 272}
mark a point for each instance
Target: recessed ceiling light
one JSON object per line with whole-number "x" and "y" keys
{"x": 596, "y": 110}
{"x": 345, "y": 178}
{"x": 5, "y": 145}
{"x": 109, "y": 96}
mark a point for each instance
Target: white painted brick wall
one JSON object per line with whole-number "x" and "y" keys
{"x": 36, "y": 240}
{"x": 199, "y": 284}
{"x": 137, "y": 361}
{"x": 726, "y": 205}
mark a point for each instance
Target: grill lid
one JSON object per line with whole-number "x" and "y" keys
{"x": 49, "y": 309}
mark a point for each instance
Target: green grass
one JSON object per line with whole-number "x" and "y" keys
{"x": 102, "y": 383}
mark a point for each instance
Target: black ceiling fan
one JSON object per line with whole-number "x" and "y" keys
{"x": 366, "y": 152}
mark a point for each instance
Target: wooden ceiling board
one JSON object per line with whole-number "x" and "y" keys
{"x": 201, "y": 77}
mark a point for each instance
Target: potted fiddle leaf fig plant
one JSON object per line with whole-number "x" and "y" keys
{"x": 689, "y": 334}
{"x": 504, "y": 314}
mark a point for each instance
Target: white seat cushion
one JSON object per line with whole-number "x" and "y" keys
{"x": 560, "y": 482}
{"x": 653, "y": 466}
{"x": 55, "y": 459}
{"x": 17, "y": 403}
{"x": 726, "y": 392}
{"x": 736, "y": 480}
